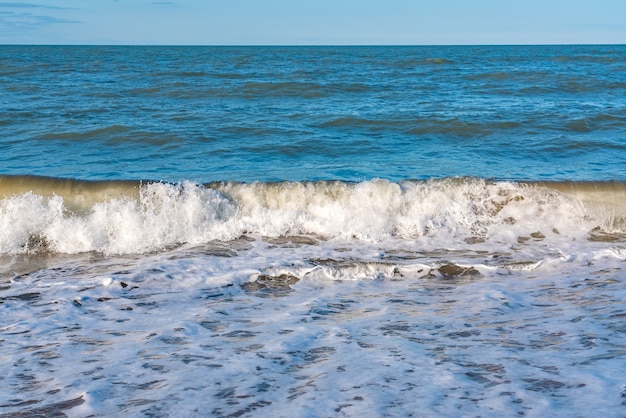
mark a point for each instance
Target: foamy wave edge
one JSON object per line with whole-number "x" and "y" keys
{"x": 125, "y": 217}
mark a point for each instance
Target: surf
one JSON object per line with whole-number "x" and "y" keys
{"x": 123, "y": 217}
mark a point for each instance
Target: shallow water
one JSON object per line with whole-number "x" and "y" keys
{"x": 202, "y": 330}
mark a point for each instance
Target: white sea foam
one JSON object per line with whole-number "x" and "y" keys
{"x": 449, "y": 212}
{"x": 285, "y": 329}
{"x": 164, "y": 215}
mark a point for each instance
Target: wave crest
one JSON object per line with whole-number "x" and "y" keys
{"x": 163, "y": 215}
{"x": 123, "y": 217}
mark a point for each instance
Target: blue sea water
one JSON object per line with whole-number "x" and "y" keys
{"x": 313, "y": 231}
{"x": 313, "y": 113}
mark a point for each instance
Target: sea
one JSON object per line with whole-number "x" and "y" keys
{"x": 313, "y": 231}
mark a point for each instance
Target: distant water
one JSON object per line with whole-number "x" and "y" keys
{"x": 314, "y": 113}
{"x": 313, "y": 231}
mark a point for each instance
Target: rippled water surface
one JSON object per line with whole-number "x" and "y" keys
{"x": 309, "y": 113}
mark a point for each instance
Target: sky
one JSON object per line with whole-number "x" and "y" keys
{"x": 313, "y": 22}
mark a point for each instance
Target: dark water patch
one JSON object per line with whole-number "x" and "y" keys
{"x": 453, "y": 271}
{"x": 293, "y": 241}
{"x": 544, "y": 385}
{"x": 249, "y": 348}
{"x": 474, "y": 240}
{"x": 603, "y": 57}
{"x": 244, "y": 411}
{"x": 356, "y": 122}
{"x": 241, "y": 334}
{"x": 534, "y": 236}
{"x": 493, "y": 76}
{"x": 348, "y": 87}
{"x": 146, "y": 91}
{"x": 257, "y": 132}
{"x": 609, "y": 355}
{"x": 415, "y": 126}
{"x": 608, "y": 120}
{"x": 24, "y": 297}
{"x": 193, "y": 93}
{"x": 214, "y": 326}
{"x": 464, "y": 333}
{"x": 459, "y": 127}
{"x": 271, "y": 286}
{"x": 282, "y": 89}
{"x": 548, "y": 339}
{"x": 228, "y": 76}
{"x": 395, "y": 328}
{"x": 438, "y": 61}
{"x": 314, "y": 355}
{"x": 211, "y": 249}
{"x": 599, "y": 235}
{"x": 174, "y": 340}
{"x": 105, "y": 133}
{"x": 186, "y": 74}
{"x": 114, "y": 136}
{"x": 579, "y": 126}
{"x": 408, "y": 302}
{"x": 76, "y": 340}
{"x": 225, "y": 393}
{"x": 324, "y": 311}
{"x": 198, "y": 360}
{"x": 478, "y": 378}
{"x": 135, "y": 402}
{"x": 154, "y": 384}
{"x": 52, "y": 410}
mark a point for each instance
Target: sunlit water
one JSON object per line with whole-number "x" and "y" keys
{"x": 434, "y": 231}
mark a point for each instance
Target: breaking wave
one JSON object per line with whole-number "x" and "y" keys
{"x": 125, "y": 217}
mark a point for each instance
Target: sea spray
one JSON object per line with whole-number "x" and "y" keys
{"x": 450, "y": 212}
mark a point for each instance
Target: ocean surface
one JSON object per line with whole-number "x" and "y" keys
{"x": 313, "y": 231}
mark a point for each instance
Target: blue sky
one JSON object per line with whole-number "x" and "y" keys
{"x": 297, "y": 22}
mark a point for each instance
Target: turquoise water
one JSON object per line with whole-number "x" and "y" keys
{"x": 312, "y": 231}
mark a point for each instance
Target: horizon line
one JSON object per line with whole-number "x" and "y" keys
{"x": 307, "y": 45}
